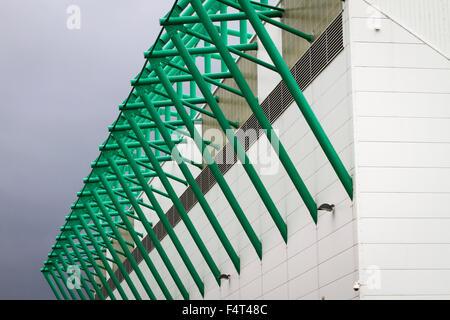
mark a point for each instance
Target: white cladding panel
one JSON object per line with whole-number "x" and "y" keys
{"x": 428, "y": 19}
{"x": 401, "y": 94}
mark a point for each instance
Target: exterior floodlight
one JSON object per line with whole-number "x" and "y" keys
{"x": 326, "y": 207}
{"x": 224, "y": 276}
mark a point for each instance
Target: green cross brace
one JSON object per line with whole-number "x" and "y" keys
{"x": 121, "y": 242}
{"x": 50, "y": 283}
{"x": 102, "y": 257}
{"x": 94, "y": 263}
{"x": 238, "y": 149}
{"x": 208, "y": 158}
{"x": 256, "y": 109}
{"x": 191, "y": 181}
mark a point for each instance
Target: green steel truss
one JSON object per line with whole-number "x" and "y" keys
{"x": 160, "y": 113}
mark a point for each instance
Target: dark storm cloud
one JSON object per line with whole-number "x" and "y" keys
{"x": 59, "y": 90}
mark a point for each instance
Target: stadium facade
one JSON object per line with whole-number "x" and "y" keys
{"x": 291, "y": 150}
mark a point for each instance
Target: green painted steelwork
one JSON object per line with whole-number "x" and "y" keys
{"x": 84, "y": 266}
{"x": 238, "y": 148}
{"x": 257, "y": 111}
{"x": 50, "y": 283}
{"x": 65, "y": 265}
{"x": 125, "y": 247}
{"x": 72, "y": 262}
{"x": 62, "y": 277}
{"x": 149, "y": 192}
{"x": 93, "y": 262}
{"x": 58, "y": 284}
{"x": 101, "y": 255}
{"x": 169, "y": 97}
{"x": 299, "y": 98}
{"x": 189, "y": 177}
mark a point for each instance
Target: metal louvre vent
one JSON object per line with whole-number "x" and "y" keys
{"x": 302, "y": 70}
{"x": 137, "y": 256}
{"x": 147, "y": 242}
{"x": 171, "y": 216}
{"x": 265, "y": 106}
{"x": 252, "y": 123}
{"x": 276, "y": 102}
{"x": 220, "y": 157}
{"x": 159, "y": 230}
{"x": 318, "y": 56}
{"x": 335, "y": 38}
{"x": 287, "y": 98}
{"x": 308, "y": 67}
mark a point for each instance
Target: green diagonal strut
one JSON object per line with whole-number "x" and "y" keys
{"x": 171, "y": 193}
{"x": 86, "y": 269}
{"x": 95, "y": 265}
{"x": 176, "y": 201}
{"x": 205, "y": 152}
{"x": 50, "y": 283}
{"x": 63, "y": 262}
{"x": 83, "y": 281}
{"x": 137, "y": 209}
{"x": 62, "y": 277}
{"x": 256, "y": 109}
{"x": 102, "y": 257}
{"x": 160, "y": 249}
{"x": 119, "y": 238}
{"x": 130, "y": 228}
{"x": 55, "y": 280}
{"x": 238, "y": 149}
{"x": 299, "y": 98}
{"x": 190, "y": 179}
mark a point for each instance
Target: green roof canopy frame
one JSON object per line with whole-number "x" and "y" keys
{"x": 158, "y": 116}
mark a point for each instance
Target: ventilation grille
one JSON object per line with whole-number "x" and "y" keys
{"x": 308, "y": 67}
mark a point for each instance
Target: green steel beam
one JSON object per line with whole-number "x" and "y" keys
{"x": 149, "y": 191}
{"x": 299, "y": 98}
{"x": 216, "y": 17}
{"x": 142, "y": 114}
{"x": 55, "y": 292}
{"x": 188, "y": 176}
{"x": 159, "y": 248}
{"x": 237, "y": 147}
{"x": 257, "y": 111}
{"x": 210, "y": 216}
{"x": 147, "y": 125}
{"x": 139, "y": 244}
{"x": 119, "y": 237}
{"x": 63, "y": 279}
{"x": 75, "y": 250}
{"x": 195, "y": 51}
{"x": 58, "y": 284}
{"x": 162, "y": 103}
{"x": 65, "y": 266}
{"x": 112, "y": 146}
{"x": 173, "y": 196}
{"x": 101, "y": 255}
{"x": 209, "y": 159}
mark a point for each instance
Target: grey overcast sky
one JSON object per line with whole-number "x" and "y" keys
{"x": 59, "y": 91}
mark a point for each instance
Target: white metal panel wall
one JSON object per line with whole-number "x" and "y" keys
{"x": 401, "y": 98}
{"x": 428, "y": 19}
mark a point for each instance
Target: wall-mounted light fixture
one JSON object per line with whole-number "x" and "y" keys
{"x": 224, "y": 276}
{"x": 326, "y": 207}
